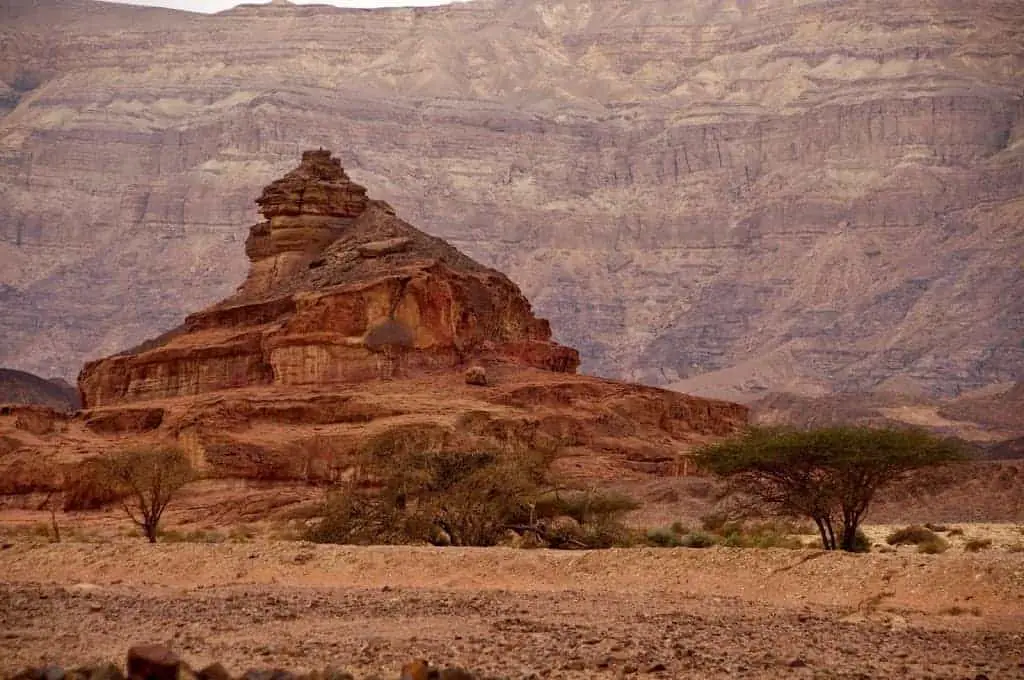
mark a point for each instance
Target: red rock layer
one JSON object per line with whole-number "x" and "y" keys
{"x": 329, "y": 266}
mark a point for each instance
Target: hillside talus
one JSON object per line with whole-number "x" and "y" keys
{"x": 728, "y": 198}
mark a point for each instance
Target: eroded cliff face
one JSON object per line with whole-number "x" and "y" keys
{"x": 728, "y": 198}
{"x": 339, "y": 290}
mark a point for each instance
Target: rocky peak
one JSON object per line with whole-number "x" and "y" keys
{"x": 306, "y": 210}
{"x": 319, "y": 186}
{"x": 329, "y": 266}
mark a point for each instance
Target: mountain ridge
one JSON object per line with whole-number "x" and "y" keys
{"x": 655, "y": 176}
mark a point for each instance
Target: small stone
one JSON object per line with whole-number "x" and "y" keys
{"x": 797, "y": 663}
{"x": 152, "y": 662}
{"x": 105, "y": 671}
{"x": 385, "y": 247}
{"x": 655, "y": 668}
{"x": 28, "y": 674}
{"x": 476, "y": 375}
{"x": 417, "y": 669}
{"x": 337, "y": 674}
{"x": 215, "y": 671}
{"x": 52, "y": 672}
{"x": 455, "y": 674}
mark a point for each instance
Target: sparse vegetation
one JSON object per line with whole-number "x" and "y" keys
{"x": 468, "y": 499}
{"x": 828, "y": 475}
{"x": 977, "y": 544}
{"x": 731, "y": 534}
{"x": 87, "y": 486}
{"x": 933, "y": 546}
{"x": 957, "y": 610}
{"x": 146, "y": 480}
{"x": 912, "y": 535}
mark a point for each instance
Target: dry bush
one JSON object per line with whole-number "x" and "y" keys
{"x": 465, "y": 498}
{"x": 957, "y": 610}
{"x": 933, "y": 546}
{"x": 584, "y": 506}
{"x": 87, "y": 486}
{"x": 718, "y": 529}
{"x": 912, "y": 535}
{"x": 977, "y": 544}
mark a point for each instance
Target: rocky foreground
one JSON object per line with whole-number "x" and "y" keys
{"x": 660, "y": 613}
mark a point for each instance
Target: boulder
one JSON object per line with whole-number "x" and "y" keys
{"x": 476, "y": 375}
{"x": 152, "y": 662}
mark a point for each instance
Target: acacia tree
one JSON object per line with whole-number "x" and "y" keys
{"x": 830, "y": 475}
{"x": 148, "y": 480}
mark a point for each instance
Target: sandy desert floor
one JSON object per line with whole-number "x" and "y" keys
{"x": 640, "y": 612}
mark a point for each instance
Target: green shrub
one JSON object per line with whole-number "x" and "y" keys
{"x": 977, "y": 544}
{"x": 663, "y": 538}
{"x": 469, "y": 499}
{"x": 912, "y": 535}
{"x": 933, "y": 547}
{"x": 584, "y": 506}
{"x": 698, "y": 539}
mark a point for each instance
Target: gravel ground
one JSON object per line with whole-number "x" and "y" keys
{"x": 660, "y": 613}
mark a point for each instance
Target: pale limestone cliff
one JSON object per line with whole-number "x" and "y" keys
{"x": 724, "y": 197}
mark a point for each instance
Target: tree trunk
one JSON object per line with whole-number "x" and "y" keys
{"x": 828, "y": 539}
{"x": 150, "y": 530}
{"x": 849, "y": 537}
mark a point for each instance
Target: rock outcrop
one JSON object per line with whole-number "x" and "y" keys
{"x": 736, "y": 197}
{"x": 356, "y": 332}
{"x": 331, "y": 270}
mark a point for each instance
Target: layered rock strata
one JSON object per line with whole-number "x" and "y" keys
{"x": 733, "y": 197}
{"x": 356, "y": 332}
{"x": 331, "y": 269}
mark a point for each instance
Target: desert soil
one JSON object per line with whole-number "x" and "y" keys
{"x": 674, "y": 613}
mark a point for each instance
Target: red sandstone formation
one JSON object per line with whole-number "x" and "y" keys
{"x": 283, "y": 381}
{"x": 328, "y": 267}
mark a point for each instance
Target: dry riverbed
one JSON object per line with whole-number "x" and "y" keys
{"x": 671, "y": 613}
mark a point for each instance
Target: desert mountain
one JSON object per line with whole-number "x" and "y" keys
{"x": 728, "y": 198}
{"x": 353, "y": 332}
{"x": 18, "y": 387}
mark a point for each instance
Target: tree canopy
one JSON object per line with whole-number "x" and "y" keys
{"x": 830, "y": 475}
{"x": 148, "y": 479}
